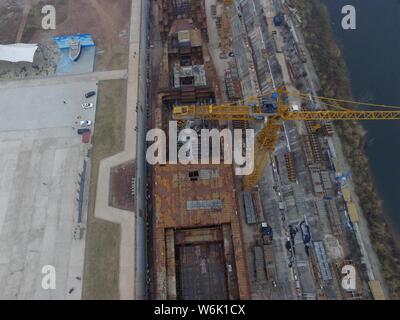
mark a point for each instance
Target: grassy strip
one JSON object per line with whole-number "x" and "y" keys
{"x": 119, "y": 59}
{"x": 332, "y": 71}
{"x": 101, "y": 272}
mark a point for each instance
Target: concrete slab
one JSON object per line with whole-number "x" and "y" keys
{"x": 41, "y": 157}
{"x": 44, "y": 107}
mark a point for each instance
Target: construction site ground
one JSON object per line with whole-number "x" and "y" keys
{"x": 121, "y": 193}
{"x": 214, "y": 49}
{"x": 37, "y": 138}
{"x": 10, "y": 18}
{"x": 299, "y": 187}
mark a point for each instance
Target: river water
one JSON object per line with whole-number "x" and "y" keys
{"x": 372, "y": 54}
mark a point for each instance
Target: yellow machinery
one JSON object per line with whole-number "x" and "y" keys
{"x": 267, "y": 137}
{"x": 316, "y": 127}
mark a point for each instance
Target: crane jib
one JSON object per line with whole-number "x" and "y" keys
{"x": 341, "y": 115}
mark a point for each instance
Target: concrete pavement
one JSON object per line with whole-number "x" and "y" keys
{"x": 92, "y": 76}
{"x": 41, "y": 158}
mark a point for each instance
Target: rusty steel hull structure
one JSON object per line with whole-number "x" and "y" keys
{"x": 197, "y": 245}
{"x": 171, "y": 10}
{"x": 197, "y": 250}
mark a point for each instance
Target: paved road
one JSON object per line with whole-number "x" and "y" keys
{"x": 92, "y": 76}
{"x": 142, "y": 105}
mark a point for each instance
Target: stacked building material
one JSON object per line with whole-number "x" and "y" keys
{"x": 290, "y": 168}
{"x": 251, "y": 217}
{"x": 312, "y": 149}
{"x": 232, "y": 82}
{"x": 261, "y": 277}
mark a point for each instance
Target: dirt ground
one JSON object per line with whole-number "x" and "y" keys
{"x": 10, "y": 16}
{"x": 108, "y": 22}
{"x": 121, "y": 186}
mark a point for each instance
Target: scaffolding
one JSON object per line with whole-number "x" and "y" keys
{"x": 189, "y": 75}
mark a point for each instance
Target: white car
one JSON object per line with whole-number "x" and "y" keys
{"x": 86, "y": 123}
{"x": 87, "y": 105}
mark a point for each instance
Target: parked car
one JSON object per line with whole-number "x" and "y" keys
{"x": 87, "y": 105}
{"x": 305, "y": 231}
{"x": 86, "y": 123}
{"x": 266, "y": 233}
{"x": 90, "y": 94}
{"x": 86, "y": 137}
{"x": 83, "y": 130}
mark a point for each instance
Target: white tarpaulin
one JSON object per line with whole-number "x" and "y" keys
{"x": 18, "y": 52}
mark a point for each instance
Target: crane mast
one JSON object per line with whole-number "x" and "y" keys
{"x": 264, "y": 146}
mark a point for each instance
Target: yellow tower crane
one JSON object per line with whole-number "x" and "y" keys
{"x": 273, "y": 109}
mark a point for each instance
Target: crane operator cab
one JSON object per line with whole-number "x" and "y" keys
{"x": 179, "y": 111}
{"x": 270, "y": 103}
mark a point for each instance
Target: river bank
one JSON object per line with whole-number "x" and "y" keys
{"x": 332, "y": 71}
